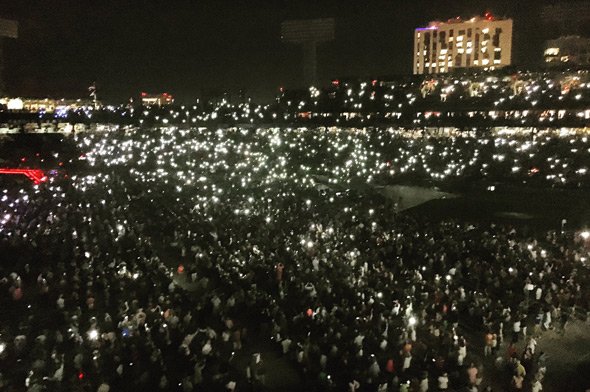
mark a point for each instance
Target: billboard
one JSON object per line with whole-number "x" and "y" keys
{"x": 8, "y": 28}
{"x": 308, "y": 30}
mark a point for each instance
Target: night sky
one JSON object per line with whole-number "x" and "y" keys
{"x": 189, "y": 48}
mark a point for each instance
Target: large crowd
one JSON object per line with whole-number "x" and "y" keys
{"x": 508, "y": 97}
{"x": 177, "y": 259}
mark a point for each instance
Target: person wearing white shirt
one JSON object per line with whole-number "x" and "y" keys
{"x": 443, "y": 382}
{"x": 536, "y": 386}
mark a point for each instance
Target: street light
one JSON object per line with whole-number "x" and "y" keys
{"x": 585, "y": 235}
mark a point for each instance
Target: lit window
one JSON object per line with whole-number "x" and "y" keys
{"x": 552, "y": 52}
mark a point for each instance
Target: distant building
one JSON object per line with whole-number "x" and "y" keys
{"x": 480, "y": 42}
{"x": 156, "y": 99}
{"x": 571, "y": 49}
{"x": 48, "y": 105}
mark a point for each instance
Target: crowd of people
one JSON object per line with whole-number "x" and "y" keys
{"x": 178, "y": 260}
{"x": 509, "y": 97}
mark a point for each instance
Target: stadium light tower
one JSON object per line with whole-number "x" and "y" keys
{"x": 8, "y": 29}
{"x": 308, "y": 33}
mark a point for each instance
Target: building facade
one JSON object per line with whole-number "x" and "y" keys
{"x": 48, "y": 105}
{"x": 480, "y": 42}
{"x": 571, "y": 49}
{"x": 162, "y": 99}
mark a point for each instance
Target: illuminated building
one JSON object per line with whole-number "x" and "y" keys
{"x": 571, "y": 49}
{"x": 480, "y": 42}
{"x": 48, "y": 105}
{"x": 156, "y": 99}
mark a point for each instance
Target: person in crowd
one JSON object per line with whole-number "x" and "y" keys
{"x": 353, "y": 296}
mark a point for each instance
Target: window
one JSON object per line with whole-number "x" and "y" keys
{"x": 496, "y": 39}
{"x": 552, "y": 52}
{"x": 442, "y": 39}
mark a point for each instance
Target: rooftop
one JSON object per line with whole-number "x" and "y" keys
{"x": 434, "y": 25}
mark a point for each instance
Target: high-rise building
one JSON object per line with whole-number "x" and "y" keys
{"x": 480, "y": 42}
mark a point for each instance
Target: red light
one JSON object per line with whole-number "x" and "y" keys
{"x": 23, "y": 159}
{"x": 80, "y": 376}
{"x": 336, "y": 82}
{"x": 35, "y": 175}
{"x": 374, "y": 82}
{"x": 143, "y": 94}
{"x": 180, "y": 269}
{"x": 309, "y": 312}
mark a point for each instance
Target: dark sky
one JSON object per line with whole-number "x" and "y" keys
{"x": 190, "y": 47}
